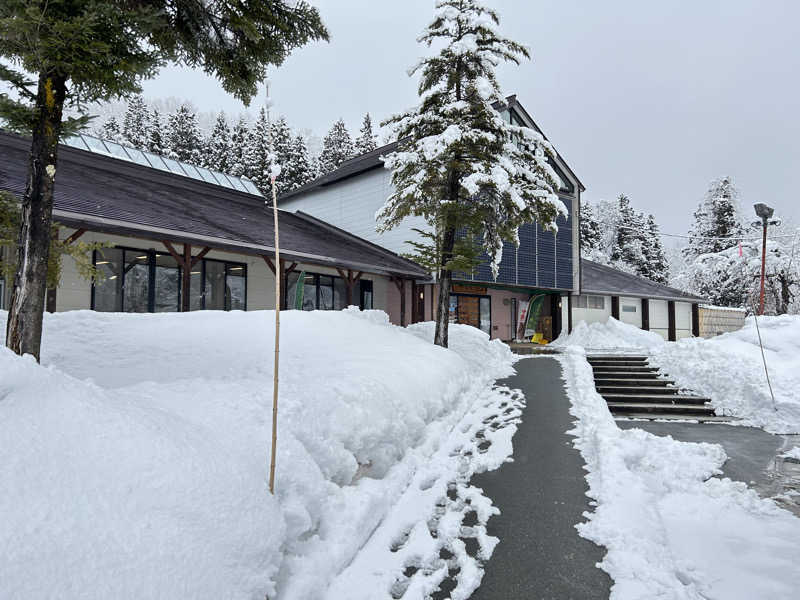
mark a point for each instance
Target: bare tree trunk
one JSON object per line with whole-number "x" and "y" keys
{"x": 24, "y": 327}
{"x": 445, "y": 284}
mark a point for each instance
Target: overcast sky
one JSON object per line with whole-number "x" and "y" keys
{"x": 653, "y": 99}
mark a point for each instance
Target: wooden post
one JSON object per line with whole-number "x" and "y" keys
{"x": 569, "y": 314}
{"x": 671, "y": 333}
{"x": 349, "y": 282}
{"x": 186, "y": 283}
{"x": 645, "y": 307}
{"x": 277, "y": 340}
{"x": 696, "y": 319}
{"x": 401, "y": 287}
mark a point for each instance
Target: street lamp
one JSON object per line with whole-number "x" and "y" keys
{"x": 765, "y": 213}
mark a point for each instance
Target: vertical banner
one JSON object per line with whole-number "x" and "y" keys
{"x": 300, "y": 290}
{"x": 534, "y": 310}
{"x": 522, "y": 319}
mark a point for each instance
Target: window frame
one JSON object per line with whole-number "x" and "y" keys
{"x": 459, "y": 295}
{"x": 151, "y": 292}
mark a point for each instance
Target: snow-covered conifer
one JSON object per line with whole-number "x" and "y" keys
{"x": 237, "y": 164}
{"x": 297, "y": 169}
{"x": 155, "y": 138}
{"x": 590, "y": 230}
{"x": 182, "y": 140}
{"x": 716, "y": 224}
{"x": 657, "y": 266}
{"x": 136, "y": 123}
{"x": 628, "y": 249}
{"x": 281, "y": 138}
{"x": 460, "y": 165}
{"x": 218, "y": 146}
{"x": 258, "y": 153}
{"x": 111, "y": 130}
{"x": 365, "y": 142}
{"x": 337, "y": 147}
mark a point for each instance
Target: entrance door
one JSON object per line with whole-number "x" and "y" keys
{"x": 469, "y": 311}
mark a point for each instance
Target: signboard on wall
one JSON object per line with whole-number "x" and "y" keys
{"x": 469, "y": 289}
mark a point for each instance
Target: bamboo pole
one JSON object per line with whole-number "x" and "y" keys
{"x": 278, "y": 277}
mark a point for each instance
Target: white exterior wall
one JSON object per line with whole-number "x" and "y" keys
{"x": 75, "y": 292}
{"x": 631, "y": 318}
{"x": 591, "y": 315}
{"x": 683, "y": 320}
{"x": 351, "y": 205}
{"x": 659, "y": 318}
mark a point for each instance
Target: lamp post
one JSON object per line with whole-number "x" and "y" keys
{"x": 764, "y": 212}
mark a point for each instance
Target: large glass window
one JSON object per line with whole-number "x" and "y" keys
{"x": 472, "y": 310}
{"x": 323, "y": 292}
{"x": 148, "y": 281}
{"x": 136, "y": 282}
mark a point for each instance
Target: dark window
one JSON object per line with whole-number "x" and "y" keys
{"x": 365, "y": 300}
{"x": 148, "y": 281}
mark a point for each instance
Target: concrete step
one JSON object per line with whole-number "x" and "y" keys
{"x": 649, "y": 390}
{"x": 623, "y": 369}
{"x": 618, "y": 363}
{"x": 673, "y": 417}
{"x": 642, "y": 375}
{"x": 616, "y": 357}
{"x": 653, "y": 398}
{"x": 633, "y": 381}
{"x": 659, "y": 408}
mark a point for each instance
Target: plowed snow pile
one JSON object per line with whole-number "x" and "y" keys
{"x": 729, "y": 370}
{"x": 612, "y": 335}
{"x": 133, "y": 462}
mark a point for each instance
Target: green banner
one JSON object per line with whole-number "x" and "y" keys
{"x": 534, "y": 310}
{"x": 300, "y": 291}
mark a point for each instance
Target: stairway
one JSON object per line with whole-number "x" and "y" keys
{"x": 633, "y": 389}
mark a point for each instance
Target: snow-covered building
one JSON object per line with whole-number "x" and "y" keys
{"x": 180, "y": 237}
{"x": 545, "y": 263}
{"x": 608, "y": 292}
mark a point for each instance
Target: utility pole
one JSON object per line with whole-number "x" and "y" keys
{"x": 765, "y": 213}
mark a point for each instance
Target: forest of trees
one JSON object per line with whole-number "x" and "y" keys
{"x": 613, "y": 233}
{"x": 719, "y": 258}
{"x": 235, "y": 146}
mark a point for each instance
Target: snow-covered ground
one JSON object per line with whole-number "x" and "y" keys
{"x": 729, "y": 370}
{"x": 133, "y": 462}
{"x": 671, "y": 529}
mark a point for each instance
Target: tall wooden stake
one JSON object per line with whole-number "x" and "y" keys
{"x": 278, "y": 273}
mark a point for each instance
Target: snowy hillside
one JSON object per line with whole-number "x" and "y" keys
{"x": 135, "y": 459}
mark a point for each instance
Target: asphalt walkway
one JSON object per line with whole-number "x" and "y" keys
{"x": 541, "y": 496}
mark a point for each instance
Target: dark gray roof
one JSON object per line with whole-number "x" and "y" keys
{"x": 601, "y": 279}
{"x": 101, "y": 193}
{"x": 372, "y": 160}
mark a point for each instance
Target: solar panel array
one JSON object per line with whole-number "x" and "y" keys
{"x": 96, "y": 145}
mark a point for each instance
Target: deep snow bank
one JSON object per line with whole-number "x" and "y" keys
{"x": 729, "y": 370}
{"x": 612, "y": 335}
{"x": 133, "y": 463}
{"x": 671, "y": 530}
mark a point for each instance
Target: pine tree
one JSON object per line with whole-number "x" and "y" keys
{"x": 218, "y": 148}
{"x": 337, "y": 147}
{"x": 365, "y": 142}
{"x": 657, "y": 266}
{"x": 155, "y": 139}
{"x": 258, "y": 154}
{"x": 110, "y": 130}
{"x": 281, "y": 138}
{"x": 459, "y": 164}
{"x": 297, "y": 169}
{"x": 183, "y": 141}
{"x": 590, "y": 230}
{"x": 630, "y": 239}
{"x": 237, "y": 164}
{"x": 136, "y": 123}
{"x": 716, "y": 222}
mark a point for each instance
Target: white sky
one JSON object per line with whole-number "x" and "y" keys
{"x": 653, "y": 99}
